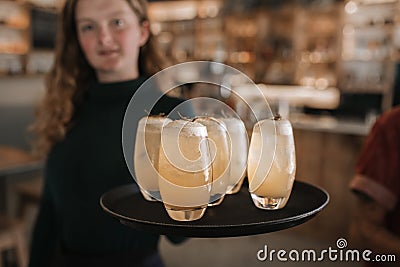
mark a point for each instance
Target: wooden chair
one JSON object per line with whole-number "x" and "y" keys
{"x": 28, "y": 194}
{"x": 12, "y": 239}
{"x": 14, "y": 161}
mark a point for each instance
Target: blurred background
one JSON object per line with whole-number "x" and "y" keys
{"x": 330, "y": 66}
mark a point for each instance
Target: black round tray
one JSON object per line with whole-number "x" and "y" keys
{"x": 236, "y": 216}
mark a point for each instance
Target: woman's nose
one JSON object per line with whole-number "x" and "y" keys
{"x": 105, "y": 36}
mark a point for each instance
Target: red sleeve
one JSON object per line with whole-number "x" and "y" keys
{"x": 377, "y": 170}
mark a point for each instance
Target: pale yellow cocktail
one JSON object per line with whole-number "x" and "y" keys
{"x": 271, "y": 163}
{"x": 185, "y": 170}
{"x": 147, "y": 144}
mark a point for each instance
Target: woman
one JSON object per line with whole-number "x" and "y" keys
{"x": 104, "y": 53}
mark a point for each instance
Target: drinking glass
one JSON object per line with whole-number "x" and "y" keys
{"x": 239, "y": 151}
{"x": 271, "y": 163}
{"x": 147, "y": 143}
{"x": 185, "y": 173}
{"x": 220, "y": 154}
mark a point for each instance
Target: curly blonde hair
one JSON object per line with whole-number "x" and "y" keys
{"x": 66, "y": 83}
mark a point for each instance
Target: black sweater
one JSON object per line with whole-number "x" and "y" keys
{"x": 79, "y": 169}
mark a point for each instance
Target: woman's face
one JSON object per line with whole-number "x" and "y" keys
{"x": 110, "y": 36}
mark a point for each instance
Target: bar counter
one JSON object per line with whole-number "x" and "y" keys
{"x": 329, "y": 124}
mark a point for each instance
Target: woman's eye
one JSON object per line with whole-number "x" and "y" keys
{"x": 86, "y": 28}
{"x": 118, "y": 22}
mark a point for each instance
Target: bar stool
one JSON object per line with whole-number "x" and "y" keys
{"x": 12, "y": 238}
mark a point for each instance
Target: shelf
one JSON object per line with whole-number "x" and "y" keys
{"x": 319, "y": 62}
{"x": 13, "y": 27}
{"x": 387, "y": 28}
{"x": 363, "y": 90}
{"x": 13, "y": 53}
{"x": 359, "y": 60}
{"x": 369, "y": 3}
{"x": 48, "y": 7}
